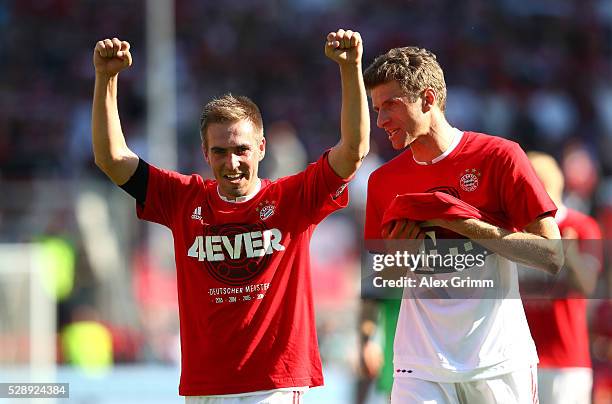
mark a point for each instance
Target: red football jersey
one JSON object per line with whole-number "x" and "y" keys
{"x": 243, "y": 271}
{"x": 490, "y": 173}
{"x": 461, "y": 339}
{"x": 434, "y": 205}
{"x": 559, "y": 327}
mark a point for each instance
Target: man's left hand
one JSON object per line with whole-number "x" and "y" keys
{"x": 344, "y": 47}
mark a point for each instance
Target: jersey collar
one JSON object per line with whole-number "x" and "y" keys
{"x": 457, "y": 135}
{"x": 241, "y": 199}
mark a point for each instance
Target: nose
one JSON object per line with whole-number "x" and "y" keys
{"x": 381, "y": 119}
{"x": 233, "y": 161}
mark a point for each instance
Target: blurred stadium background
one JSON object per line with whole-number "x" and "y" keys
{"x": 87, "y": 295}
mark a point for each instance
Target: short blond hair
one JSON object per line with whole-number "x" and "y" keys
{"x": 229, "y": 109}
{"x": 414, "y": 69}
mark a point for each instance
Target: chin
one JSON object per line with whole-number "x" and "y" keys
{"x": 231, "y": 192}
{"x": 236, "y": 192}
{"x": 401, "y": 146}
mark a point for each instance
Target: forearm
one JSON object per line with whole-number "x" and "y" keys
{"x": 525, "y": 248}
{"x": 355, "y": 117}
{"x": 354, "y": 122}
{"x": 111, "y": 152}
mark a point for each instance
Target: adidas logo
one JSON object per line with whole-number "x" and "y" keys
{"x": 197, "y": 213}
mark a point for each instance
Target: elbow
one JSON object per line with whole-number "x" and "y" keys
{"x": 555, "y": 265}
{"x": 362, "y": 154}
{"x": 358, "y": 153}
{"x": 102, "y": 164}
{"x": 106, "y": 165}
{"x": 358, "y": 157}
{"x": 109, "y": 166}
{"x": 556, "y": 259}
{"x": 356, "y": 146}
{"x": 346, "y": 159}
{"x": 364, "y": 151}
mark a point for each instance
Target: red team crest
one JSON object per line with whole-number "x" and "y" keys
{"x": 266, "y": 209}
{"x": 470, "y": 179}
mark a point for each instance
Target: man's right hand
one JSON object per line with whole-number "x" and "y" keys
{"x": 111, "y": 153}
{"x": 402, "y": 235}
{"x": 402, "y": 229}
{"x": 111, "y": 56}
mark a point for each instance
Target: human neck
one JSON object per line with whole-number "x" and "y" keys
{"x": 237, "y": 199}
{"x": 427, "y": 147}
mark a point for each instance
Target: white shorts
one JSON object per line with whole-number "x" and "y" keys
{"x": 277, "y": 397}
{"x": 565, "y": 386}
{"x": 519, "y": 387}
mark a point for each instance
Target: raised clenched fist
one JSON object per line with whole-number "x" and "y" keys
{"x": 111, "y": 56}
{"x": 344, "y": 47}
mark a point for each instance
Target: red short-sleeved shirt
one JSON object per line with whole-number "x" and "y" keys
{"x": 490, "y": 173}
{"x": 459, "y": 340}
{"x": 243, "y": 270}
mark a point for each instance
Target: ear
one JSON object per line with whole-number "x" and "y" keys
{"x": 205, "y": 153}
{"x": 262, "y": 148}
{"x": 429, "y": 99}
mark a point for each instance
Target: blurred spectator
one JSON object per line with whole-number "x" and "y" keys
{"x": 515, "y": 56}
{"x": 155, "y": 292}
{"x": 559, "y": 325}
{"x": 286, "y": 154}
{"x": 601, "y": 336}
{"x": 581, "y": 176}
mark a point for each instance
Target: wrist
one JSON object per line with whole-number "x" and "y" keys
{"x": 436, "y": 223}
{"x": 350, "y": 66}
{"x": 105, "y": 77}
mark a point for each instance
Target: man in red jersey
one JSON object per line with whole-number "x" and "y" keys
{"x": 559, "y": 326}
{"x": 241, "y": 243}
{"x": 457, "y": 350}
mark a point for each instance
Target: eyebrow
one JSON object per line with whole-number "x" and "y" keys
{"x": 387, "y": 101}
{"x": 238, "y": 146}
